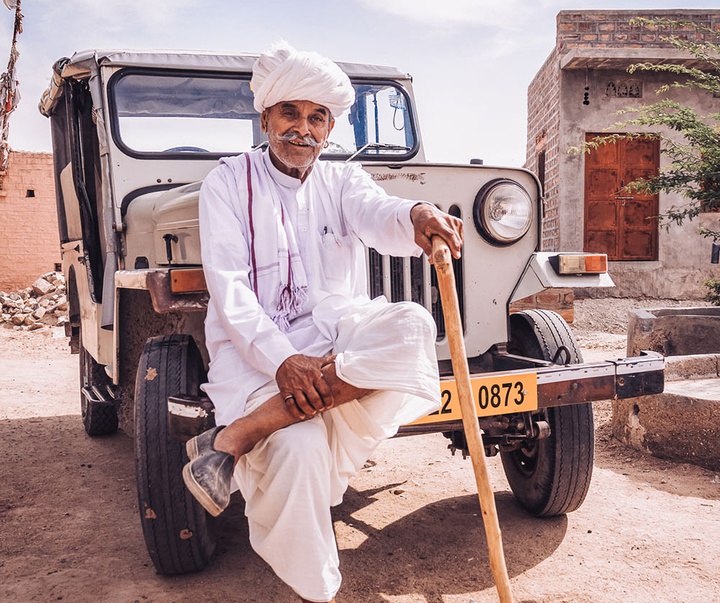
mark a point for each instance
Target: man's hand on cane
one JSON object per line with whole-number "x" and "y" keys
{"x": 429, "y": 221}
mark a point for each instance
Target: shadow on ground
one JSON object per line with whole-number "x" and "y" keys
{"x": 441, "y": 549}
{"x": 68, "y": 515}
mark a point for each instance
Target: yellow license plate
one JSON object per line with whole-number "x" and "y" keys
{"x": 493, "y": 395}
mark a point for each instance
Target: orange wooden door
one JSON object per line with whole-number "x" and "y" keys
{"x": 618, "y": 222}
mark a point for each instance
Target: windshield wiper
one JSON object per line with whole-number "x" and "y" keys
{"x": 378, "y": 145}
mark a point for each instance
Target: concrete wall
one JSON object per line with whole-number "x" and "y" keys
{"x": 558, "y": 118}
{"x": 683, "y": 262}
{"x": 29, "y": 242}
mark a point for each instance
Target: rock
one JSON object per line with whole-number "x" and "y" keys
{"x": 35, "y": 326}
{"x": 44, "y": 301}
{"x": 42, "y": 287}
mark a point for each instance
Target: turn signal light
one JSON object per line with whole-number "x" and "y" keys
{"x": 579, "y": 263}
{"x": 188, "y": 280}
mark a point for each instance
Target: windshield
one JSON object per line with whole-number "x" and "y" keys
{"x": 155, "y": 114}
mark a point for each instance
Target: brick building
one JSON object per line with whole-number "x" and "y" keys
{"x": 576, "y": 94}
{"x": 29, "y": 242}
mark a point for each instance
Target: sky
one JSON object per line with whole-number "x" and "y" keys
{"x": 471, "y": 60}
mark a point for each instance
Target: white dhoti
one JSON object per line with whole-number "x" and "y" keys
{"x": 291, "y": 479}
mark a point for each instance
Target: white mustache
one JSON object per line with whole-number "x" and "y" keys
{"x": 294, "y": 136}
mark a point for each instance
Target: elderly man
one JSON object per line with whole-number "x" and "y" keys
{"x": 307, "y": 374}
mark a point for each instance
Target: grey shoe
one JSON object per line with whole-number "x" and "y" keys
{"x": 209, "y": 473}
{"x": 203, "y": 443}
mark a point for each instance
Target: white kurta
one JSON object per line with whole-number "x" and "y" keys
{"x": 290, "y": 480}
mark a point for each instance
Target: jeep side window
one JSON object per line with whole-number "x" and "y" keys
{"x": 161, "y": 113}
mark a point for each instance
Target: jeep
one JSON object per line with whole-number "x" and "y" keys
{"x": 135, "y": 133}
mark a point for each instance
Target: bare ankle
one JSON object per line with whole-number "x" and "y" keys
{"x": 233, "y": 440}
{"x": 221, "y": 443}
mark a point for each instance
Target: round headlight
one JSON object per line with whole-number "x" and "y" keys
{"x": 503, "y": 211}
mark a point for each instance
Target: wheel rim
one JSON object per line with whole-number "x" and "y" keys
{"x": 525, "y": 459}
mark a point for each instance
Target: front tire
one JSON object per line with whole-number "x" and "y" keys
{"x": 176, "y": 528}
{"x": 551, "y": 476}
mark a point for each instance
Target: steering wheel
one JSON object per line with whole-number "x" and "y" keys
{"x": 185, "y": 149}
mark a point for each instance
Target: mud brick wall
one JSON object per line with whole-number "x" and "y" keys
{"x": 29, "y": 241}
{"x": 591, "y": 29}
{"x": 543, "y": 133}
{"x": 560, "y": 300}
{"x": 614, "y": 29}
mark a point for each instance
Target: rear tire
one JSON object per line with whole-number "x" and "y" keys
{"x": 99, "y": 418}
{"x": 551, "y": 476}
{"x": 176, "y": 528}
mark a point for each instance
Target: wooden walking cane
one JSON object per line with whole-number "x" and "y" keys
{"x": 441, "y": 258}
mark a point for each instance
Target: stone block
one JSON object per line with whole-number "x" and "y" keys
{"x": 42, "y": 287}
{"x": 673, "y": 426}
{"x": 674, "y": 331}
{"x": 693, "y": 366}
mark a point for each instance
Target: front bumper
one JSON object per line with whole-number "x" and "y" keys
{"x": 578, "y": 384}
{"x": 556, "y": 386}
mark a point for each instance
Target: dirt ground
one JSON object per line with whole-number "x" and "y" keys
{"x": 409, "y": 530}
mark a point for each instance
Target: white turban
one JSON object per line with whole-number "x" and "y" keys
{"x": 285, "y": 74}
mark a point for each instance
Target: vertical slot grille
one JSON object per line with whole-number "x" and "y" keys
{"x": 413, "y": 279}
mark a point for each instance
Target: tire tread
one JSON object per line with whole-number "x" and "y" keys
{"x": 568, "y": 454}
{"x": 176, "y": 529}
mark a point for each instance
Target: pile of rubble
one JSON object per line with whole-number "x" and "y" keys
{"x": 43, "y": 304}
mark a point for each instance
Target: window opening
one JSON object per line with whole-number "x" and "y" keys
{"x": 623, "y": 89}
{"x": 541, "y": 170}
